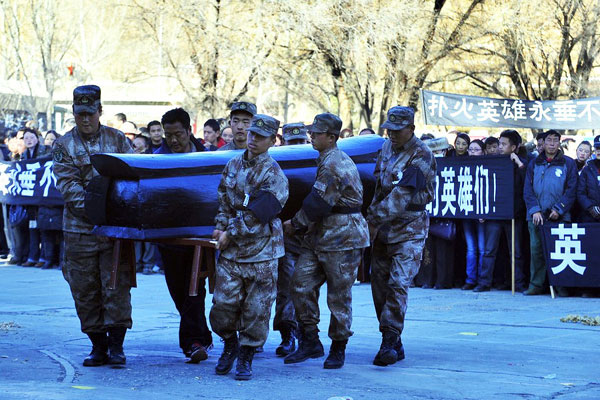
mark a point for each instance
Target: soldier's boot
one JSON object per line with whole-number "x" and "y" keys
{"x": 116, "y": 337}
{"x": 309, "y": 347}
{"x": 337, "y": 355}
{"x": 399, "y": 349}
{"x": 243, "y": 369}
{"x": 288, "y": 342}
{"x": 99, "y": 354}
{"x": 228, "y": 356}
{"x": 387, "y": 354}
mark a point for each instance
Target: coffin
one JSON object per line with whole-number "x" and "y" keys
{"x": 156, "y": 196}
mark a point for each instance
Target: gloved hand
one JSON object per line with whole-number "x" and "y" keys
{"x": 595, "y": 212}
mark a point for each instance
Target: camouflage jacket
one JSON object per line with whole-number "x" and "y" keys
{"x": 330, "y": 214}
{"x": 404, "y": 185}
{"x": 73, "y": 170}
{"x": 229, "y": 146}
{"x": 251, "y": 195}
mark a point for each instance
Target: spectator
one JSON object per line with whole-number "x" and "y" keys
{"x": 474, "y": 233}
{"x": 155, "y": 130}
{"x": 366, "y": 131}
{"x": 584, "y": 152}
{"x": 539, "y": 138}
{"x": 461, "y": 145}
{"x": 49, "y": 139}
{"x": 346, "y": 133}
{"x": 141, "y": 145}
{"x": 118, "y": 120}
{"x": 492, "y": 145}
{"x": 227, "y": 135}
{"x": 212, "y": 135}
{"x": 550, "y": 190}
{"x": 509, "y": 143}
{"x": 129, "y": 129}
{"x": 49, "y": 221}
{"x": 588, "y": 189}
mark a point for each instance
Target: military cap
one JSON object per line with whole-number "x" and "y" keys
{"x": 437, "y": 144}
{"x": 264, "y": 125}
{"x": 326, "y": 123}
{"x": 597, "y": 142}
{"x": 244, "y": 106}
{"x": 295, "y": 131}
{"x": 86, "y": 99}
{"x": 398, "y": 118}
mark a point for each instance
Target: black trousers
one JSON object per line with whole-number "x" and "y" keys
{"x": 177, "y": 261}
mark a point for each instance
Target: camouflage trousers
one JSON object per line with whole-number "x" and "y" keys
{"x": 87, "y": 267}
{"x": 393, "y": 267}
{"x": 242, "y": 300}
{"x": 339, "y": 270}
{"x": 285, "y": 315}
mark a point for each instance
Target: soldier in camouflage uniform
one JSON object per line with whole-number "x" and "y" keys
{"x": 405, "y": 174}
{"x": 285, "y": 317}
{"x": 252, "y": 192}
{"x": 88, "y": 258}
{"x": 335, "y": 234}
{"x": 239, "y": 120}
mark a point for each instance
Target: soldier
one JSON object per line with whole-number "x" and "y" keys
{"x": 404, "y": 173}
{"x": 336, "y": 233}
{"x": 285, "y": 318}
{"x": 239, "y": 120}
{"x": 252, "y": 192}
{"x": 88, "y": 258}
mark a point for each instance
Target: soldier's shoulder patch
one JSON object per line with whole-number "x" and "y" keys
{"x": 57, "y": 154}
{"x": 320, "y": 186}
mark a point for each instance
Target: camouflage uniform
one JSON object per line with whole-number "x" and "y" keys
{"x": 246, "y": 272}
{"x": 285, "y": 315}
{"x": 336, "y": 233}
{"x": 88, "y": 258}
{"x": 404, "y": 185}
{"x": 229, "y": 146}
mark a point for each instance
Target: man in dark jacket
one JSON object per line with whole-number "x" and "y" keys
{"x": 588, "y": 189}
{"x": 195, "y": 338}
{"x": 550, "y": 191}
{"x": 508, "y": 144}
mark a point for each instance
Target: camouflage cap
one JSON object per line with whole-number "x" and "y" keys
{"x": 295, "y": 131}
{"x": 86, "y": 99}
{"x": 398, "y": 118}
{"x": 244, "y": 106}
{"x": 264, "y": 125}
{"x": 326, "y": 123}
{"x": 597, "y": 142}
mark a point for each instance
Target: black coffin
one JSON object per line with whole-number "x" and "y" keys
{"x": 175, "y": 195}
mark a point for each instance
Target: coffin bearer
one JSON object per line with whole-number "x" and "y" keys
{"x": 404, "y": 173}
{"x": 105, "y": 314}
{"x": 239, "y": 120}
{"x": 285, "y": 317}
{"x": 252, "y": 192}
{"x": 336, "y": 233}
{"x": 195, "y": 338}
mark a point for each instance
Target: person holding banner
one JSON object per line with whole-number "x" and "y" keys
{"x": 588, "y": 190}
{"x": 405, "y": 174}
{"x": 550, "y": 190}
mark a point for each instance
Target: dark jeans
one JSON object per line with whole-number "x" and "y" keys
{"x": 437, "y": 270}
{"x": 493, "y": 230}
{"x": 475, "y": 238}
{"x": 34, "y": 245}
{"x": 177, "y": 262}
{"x": 538, "y": 262}
{"x": 20, "y": 236}
{"x": 51, "y": 241}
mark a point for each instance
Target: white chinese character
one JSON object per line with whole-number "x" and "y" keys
{"x": 462, "y": 108}
{"x": 433, "y": 207}
{"x": 565, "y": 110}
{"x": 567, "y": 250}
{"x": 539, "y": 112}
{"x": 48, "y": 179}
{"x": 448, "y": 195}
{"x": 27, "y": 179}
{"x": 465, "y": 190}
{"x": 515, "y": 110}
{"x": 488, "y": 111}
{"x": 14, "y": 188}
{"x": 436, "y": 105}
{"x": 482, "y": 190}
{"x": 588, "y": 109}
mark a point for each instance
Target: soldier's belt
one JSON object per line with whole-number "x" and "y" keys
{"x": 415, "y": 207}
{"x": 345, "y": 210}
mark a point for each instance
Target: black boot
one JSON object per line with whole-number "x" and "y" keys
{"x": 243, "y": 369}
{"x": 288, "y": 342}
{"x": 230, "y": 353}
{"x": 399, "y": 349}
{"x": 116, "y": 337}
{"x": 309, "y": 347}
{"x": 387, "y": 354}
{"x": 337, "y": 355}
{"x": 99, "y": 354}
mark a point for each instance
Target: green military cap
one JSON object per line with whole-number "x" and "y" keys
{"x": 264, "y": 125}
{"x": 244, "y": 106}
{"x": 398, "y": 118}
{"x": 295, "y": 131}
{"x": 86, "y": 99}
{"x": 326, "y": 123}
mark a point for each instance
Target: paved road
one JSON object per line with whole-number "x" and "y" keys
{"x": 459, "y": 345}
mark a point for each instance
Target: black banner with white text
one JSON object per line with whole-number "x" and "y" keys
{"x": 29, "y": 182}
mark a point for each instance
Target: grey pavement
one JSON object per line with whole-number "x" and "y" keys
{"x": 459, "y": 345}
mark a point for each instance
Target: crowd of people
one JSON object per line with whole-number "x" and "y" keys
{"x": 264, "y": 260}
